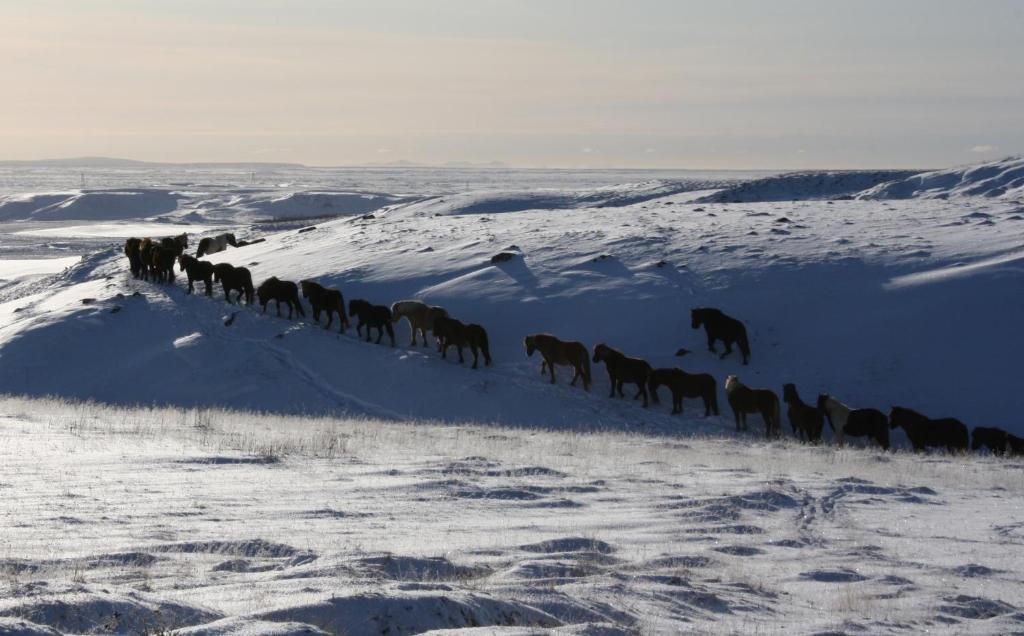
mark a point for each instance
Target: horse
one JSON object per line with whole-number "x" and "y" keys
{"x": 374, "y": 317}
{"x": 453, "y": 333}
{"x": 214, "y": 244}
{"x": 743, "y": 400}
{"x": 280, "y": 291}
{"x": 924, "y": 433}
{"x": 131, "y": 250}
{"x": 162, "y": 262}
{"x": 234, "y": 278}
{"x": 176, "y": 244}
{"x": 196, "y": 269}
{"x": 683, "y": 384}
{"x": 146, "y": 258}
{"x": 998, "y": 441}
{"x": 420, "y": 315}
{"x": 325, "y": 299}
{"x": 569, "y": 353}
{"x": 718, "y": 326}
{"x": 845, "y": 421}
{"x": 622, "y": 369}
{"x": 807, "y": 421}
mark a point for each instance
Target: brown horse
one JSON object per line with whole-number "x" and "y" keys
{"x": 280, "y": 291}
{"x": 807, "y": 421}
{"x": 453, "y": 333}
{"x": 162, "y": 262}
{"x": 327, "y": 300}
{"x": 196, "y": 269}
{"x": 744, "y": 400}
{"x": 568, "y": 353}
{"x": 683, "y": 384}
{"x": 622, "y": 369}
{"x": 234, "y": 278}
{"x": 131, "y": 250}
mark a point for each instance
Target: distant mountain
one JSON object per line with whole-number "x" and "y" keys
{"x": 114, "y": 163}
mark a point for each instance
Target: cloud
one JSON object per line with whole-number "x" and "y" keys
{"x": 649, "y": 151}
{"x": 985, "y": 148}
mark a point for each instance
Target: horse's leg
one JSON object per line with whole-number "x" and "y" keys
{"x": 551, "y": 368}
{"x": 711, "y": 341}
{"x": 461, "y": 359}
{"x": 621, "y": 383}
{"x": 611, "y": 380}
{"x": 472, "y": 348}
{"x": 728, "y": 349}
{"x": 643, "y": 391}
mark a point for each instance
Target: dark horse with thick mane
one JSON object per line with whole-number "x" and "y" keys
{"x": 454, "y": 333}
{"x": 144, "y": 264}
{"x": 327, "y": 300}
{"x": 234, "y": 278}
{"x": 196, "y": 269}
{"x": 718, "y": 326}
{"x": 924, "y": 433}
{"x": 683, "y": 384}
{"x": 374, "y": 317}
{"x": 622, "y": 369}
{"x": 280, "y": 291}
{"x": 997, "y": 440}
{"x": 568, "y": 353}
{"x": 214, "y": 244}
{"x": 744, "y": 400}
{"x": 807, "y": 421}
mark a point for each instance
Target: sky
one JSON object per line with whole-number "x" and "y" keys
{"x": 701, "y": 84}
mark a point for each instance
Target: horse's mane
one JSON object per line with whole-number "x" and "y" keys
{"x": 832, "y": 404}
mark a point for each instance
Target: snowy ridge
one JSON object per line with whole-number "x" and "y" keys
{"x": 802, "y": 186}
{"x": 1003, "y": 178}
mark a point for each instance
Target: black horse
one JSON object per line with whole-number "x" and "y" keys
{"x": 996, "y": 440}
{"x": 280, "y": 291}
{"x": 622, "y": 369}
{"x": 721, "y": 327}
{"x": 924, "y": 433}
{"x": 807, "y": 421}
{"x": 234, "y": 278}
{"x": 327, "y": 300}
{"x": 373, "y": 317}
{"x": 685, "y": 385}
{"x": 196, "y": 269}
{"x": 454, "y": 333}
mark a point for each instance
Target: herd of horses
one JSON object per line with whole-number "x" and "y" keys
{"x": 154, "y": 259}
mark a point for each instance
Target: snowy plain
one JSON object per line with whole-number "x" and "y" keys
{"x": 259, "y": 475}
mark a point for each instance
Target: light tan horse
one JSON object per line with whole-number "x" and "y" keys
{"x": 569, "y": 353}
{"x": 744, "y": 400}
{"x": 420, "y": 315}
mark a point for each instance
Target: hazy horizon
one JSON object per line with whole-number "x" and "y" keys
{"x": 739, "y": 85}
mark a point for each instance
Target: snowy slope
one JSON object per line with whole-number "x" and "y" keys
{"x": 874, "y": 302}
{"x": 801, "y": 186}
{"x": 1003, "y": 178}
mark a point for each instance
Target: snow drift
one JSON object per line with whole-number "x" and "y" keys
{"x": 1003, "y": 178}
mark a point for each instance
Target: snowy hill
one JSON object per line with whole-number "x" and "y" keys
{"x": 869, "y": 283}
{"x": 802, "y": 186}
{"x": 1003, "y": 178}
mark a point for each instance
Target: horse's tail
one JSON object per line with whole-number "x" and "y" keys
{"x": 776, "y": 415}
{"x": 713, "y": 399}
{"x": 652, "y": 387}
{"x": 586, "y": 369}
{"x": 485, "y": 346}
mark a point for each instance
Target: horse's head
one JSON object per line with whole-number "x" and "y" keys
{"x": 203, "y": 245}
{"x": 600, "y": 351}
{"x": 530, "y": 342}
{"x": 823, "y": 399}
{"x": 231, "y": 239}
{"x": 789, "y": 393}
{"x": 181, "y": 240}
{"x": 695, "y": 318}
{"x": 305, "y": 288}
{"x": 731, "y": 382}
{"x": 354, "y": 306}
{"x": 897, "y": 416}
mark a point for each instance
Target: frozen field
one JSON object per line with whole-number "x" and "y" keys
{"x": 148, "y": 520}
{"x": 255, "y": 475}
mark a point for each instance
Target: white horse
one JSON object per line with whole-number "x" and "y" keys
{"x": 838, "y": 415}
{"x": 420, "y": 315}
{"x": 214, "y": 244}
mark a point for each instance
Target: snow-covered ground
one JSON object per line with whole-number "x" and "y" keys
{"x": 659, "y": 523}
{"x": 142, "y": 521}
